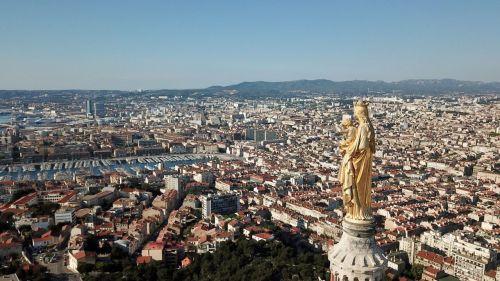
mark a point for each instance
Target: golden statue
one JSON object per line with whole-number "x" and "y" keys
{"x": 355, "y": 175}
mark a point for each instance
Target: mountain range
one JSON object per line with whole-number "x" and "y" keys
{"x": 415, "y": 86}
{"x": 300, "y": 87}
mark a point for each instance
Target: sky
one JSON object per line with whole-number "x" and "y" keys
{"x": 192, "y": 44}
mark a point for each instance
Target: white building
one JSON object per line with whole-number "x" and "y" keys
{"x": 176, "y": 183}
{"x": 223, "y": 204}
{"x": 411, "y": 247}
{"x": 64, "y": 215}
{"x": 472, "y": 259}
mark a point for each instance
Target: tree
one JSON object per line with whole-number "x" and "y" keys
{"x": 85, "y": 267}
{"x": 416, "y": 271}
{"x": 117, "y": 253}
{"x": 44, "y": 209}
{"x": 240, "y": 260}
{"x": 56, "y": 228}
{"x": 20, "y": 193}
{"x": 35, "y": 273}
{"x": 6, "y": 221}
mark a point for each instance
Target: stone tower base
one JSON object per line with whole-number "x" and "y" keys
{"x": 357, "y": 256}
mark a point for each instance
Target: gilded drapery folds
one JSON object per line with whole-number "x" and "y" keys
{"x": 355, "y": 174}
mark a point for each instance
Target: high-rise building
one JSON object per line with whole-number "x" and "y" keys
{"x": 176, "y": 183}
{"x": 99, "y": 109}
{"x": 469, "y": 267}
{"x": 95, "y": 109}
{"x": 223, "y": 204}
{"x": 259, "y": 135}
{"x": 249, "y": 134}
{"x": 472, "y": 258}
{"x": 270, "y": 135}
{"x": 89, "y": 108}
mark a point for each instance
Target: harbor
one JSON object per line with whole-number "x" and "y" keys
{"x": 130, "y": 166}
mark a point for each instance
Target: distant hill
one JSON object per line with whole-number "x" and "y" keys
{"x": 415, "y": 86}
{"x": 293, "y": 88}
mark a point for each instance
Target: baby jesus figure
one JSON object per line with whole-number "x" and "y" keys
{"x": 349, "y": 132}
{"x": 346, "y": 176}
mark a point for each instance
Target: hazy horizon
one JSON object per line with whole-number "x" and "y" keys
{"x": 192, "y": 45}
{"x": 226, "y": 85}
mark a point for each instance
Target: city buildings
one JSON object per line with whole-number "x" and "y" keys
{"x": 166, "y": 177}
{"x": 224, "y": 204}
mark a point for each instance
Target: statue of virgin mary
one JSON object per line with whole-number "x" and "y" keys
{"x": 356, "y": 168}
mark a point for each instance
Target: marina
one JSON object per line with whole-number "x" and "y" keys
{"x": 131, "y": 166}
{"x": 4, "y": 119}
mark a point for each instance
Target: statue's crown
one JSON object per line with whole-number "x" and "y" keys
{"x": 361, "y": 103}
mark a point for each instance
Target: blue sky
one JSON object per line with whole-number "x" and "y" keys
{"x": 190, "y": 44}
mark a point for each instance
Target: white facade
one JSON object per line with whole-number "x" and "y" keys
{"x": 219, "y": 204}
{"x": 64, "y": 216}
{"x": 411, "y": 247}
